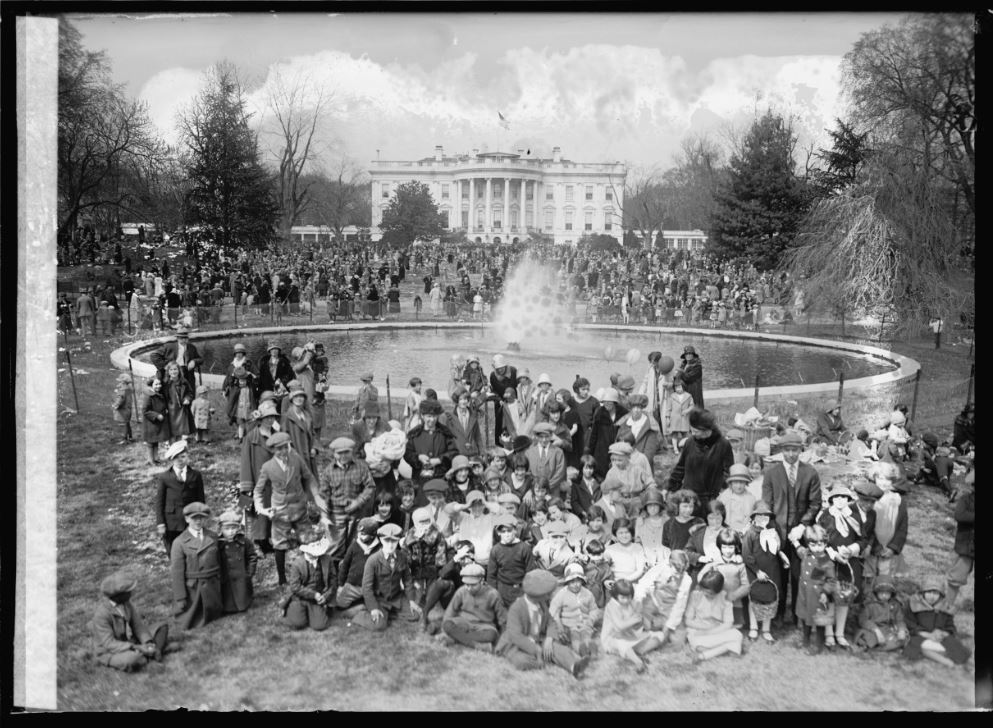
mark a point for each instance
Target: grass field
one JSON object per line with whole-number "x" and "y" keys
{"x": 251, "y": 662}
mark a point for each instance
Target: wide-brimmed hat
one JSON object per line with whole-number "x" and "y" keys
{"x": 526, "y": 374}
{"x": 539, "y": 583}
{"x": 492, "y": 474}
{"x": 543, "y": 378}
{"x": 241, "y": 348}
{"x": 841, "y": 489}
{"x": 499, "y": 361}
{"x": 610, "y": 395}
{"x": 273, "y": 345}
{"x": 120, "y": 582}
{"x": 267, "y": 409}
{"x": 687, "y": 350}
{"x": 572, "y": 572}
{"x": 459, "y": 462}
{"x": 277, "y": 439}
{"x": 790, "y": 438}
{"x": 761, "y": 508}
{"x": 739, "y": 472}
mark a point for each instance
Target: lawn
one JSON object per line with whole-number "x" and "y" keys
{"x": 251, "y": 662}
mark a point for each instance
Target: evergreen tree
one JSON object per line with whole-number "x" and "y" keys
{"x": 762, "y": 201}
{"x": 848, "y": 152}
{"x": 412, "y": 215}
{"x": 230, "y": 194}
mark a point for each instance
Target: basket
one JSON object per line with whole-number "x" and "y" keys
{"x": 754, "y": 434}
{"x": 847, "y": 591}
{"x": 763, "y": 595}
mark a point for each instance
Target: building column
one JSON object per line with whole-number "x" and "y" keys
{"x": 472, "y": 205}
{"x": 506, "y": 205}
{"x": 488, "y": 209}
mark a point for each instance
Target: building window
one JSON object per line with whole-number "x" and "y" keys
{"x": 588, "y": 221}
{"x": 549, "y": 194}
{"x": 444, "y": 191}
{"x": 608, "y": 217}
{"x": 568, "y": 193}
{"x": 386, "y": 189}
{"x": 465, "y": 191}
{"x": 530, "y": 219}
{"x": 444, "y": 218}
{"x": 568, "y": 220}
{"x": 548, "y": 219}
{"x": 589, "y": 192}
{"x": 610, "y": 194}
{"x": 465, "y": 218}
{"x": 498, "y": 191}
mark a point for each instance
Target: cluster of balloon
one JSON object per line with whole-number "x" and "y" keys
{"x": 633, "y": 357}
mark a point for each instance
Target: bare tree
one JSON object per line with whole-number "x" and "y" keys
{"x": 298, "y": 106}
{"x": 646, "y": 204}
{"x": 341, "y": 196}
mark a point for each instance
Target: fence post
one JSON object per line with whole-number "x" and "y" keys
{"x": 841, "y": 386}
{"x": 312, "y": 312}
{"x": 913, "y": 405}
{"x": 72, "y": 377}
{"x": 842, "y": 324}
{"x": 235, "y": 313}
{"x": 755, "y": 401}
{"x": 972, "y": 376}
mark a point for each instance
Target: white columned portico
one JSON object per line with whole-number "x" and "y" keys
{"x": 472, "y": 204}
{"x": 505, "y": 222}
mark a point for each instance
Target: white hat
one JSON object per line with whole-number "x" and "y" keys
{"x": 609, "y": 395}
{"x": 543, "y": 378}
{"x": 175, "y": 449}
{"x": 499, "y": 361}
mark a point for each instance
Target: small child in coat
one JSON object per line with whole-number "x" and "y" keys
{"x": 881, "y": 622}
{"x": 598, "y": 571}
{"x": 123, "y": 406}
{"x": 238, "y": 562}
{"x": 765, "y": 560}
{"x": 818, "y": 582}
{"x": 931, "y": 626}
{"x": 737, "y": 500}
{"x": 201, "y": 410}
{"x": 574, "y": 610}
{"x": 426, "y": 551}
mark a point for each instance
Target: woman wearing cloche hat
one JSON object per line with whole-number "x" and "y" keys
{"x": 849, "y": 536}
{"x": 765, "y": 560}
{"x": 239, "y": 389}
{"x": 691, "y": 373}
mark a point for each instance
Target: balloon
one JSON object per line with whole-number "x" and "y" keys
{"x": 608, "y": 353}
{"x": 633, "y": 356}
{"x": 666, "y": 364}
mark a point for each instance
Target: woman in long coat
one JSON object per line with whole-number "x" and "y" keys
{"x": 254, "y": 454}
{"x": 155, "y": 418}
{"x": 179, "y": 395}
{"x": 274, "y": 367}
{"x": 691, "y": 372}
{"x": 241, "y": 374}
{"x": 603, "y": 431}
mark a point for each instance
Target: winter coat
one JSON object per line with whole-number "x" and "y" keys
{"x": 123, "y": 405}
{"x": 113, "y": 633}
{"x": 196, "y": 579}
{"x": 153, "y": 406}
{"x": 692, "y": 378}
{"x": 266, "y": 381}
{"x": 201, "y": 411}
{"x": 703, "y": 466}
{"x": 238, "y": 561}
{"x": 179, "y": 394}
{"x": 436, "y": 444}
{"x": 254, "y": 454}
{"x": 232, "y": 388}
{"x": 603, "y": 434}
{"x": 468, "y": 441}
{"x": 172, "y": 496}
{"x": 812, "y": 585}
{"x": 648, "y": 441}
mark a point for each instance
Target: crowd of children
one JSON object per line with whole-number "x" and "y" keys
{"x": 501, "y": 552}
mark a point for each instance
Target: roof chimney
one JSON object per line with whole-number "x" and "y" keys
{"x": 438, "y": 153}
{"x": 556, "y": 154}
{"x": 520, "y": 152}
{"x": 475, "y": 152}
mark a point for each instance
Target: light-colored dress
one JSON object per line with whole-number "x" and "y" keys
{"x": 680, "y": 404}
{"x": 622, "y": 629}
{"x": 629, "y": 561}
{"x": 711, "y": 610}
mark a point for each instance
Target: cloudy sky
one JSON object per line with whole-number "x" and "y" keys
{"x": 604, "y": 87}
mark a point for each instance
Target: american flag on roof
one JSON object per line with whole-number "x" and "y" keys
{"x": 503, "y": 121}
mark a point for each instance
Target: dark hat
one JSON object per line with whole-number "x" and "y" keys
{"x": 369, "y": 525}
{"x": 182, "y": 333}
{"x": 196, "y": 508}
{"x": 430, "y": 407}
{"x": 521, "y": 442}
{"x": 435, "y": 485}
{"x": 539, "y": 583}
{"x": 638, "y": 400}
{"x": 653, "y": 495}
{"x": 930, "y": 439}
{"x": 868, "y": 489}
{"x": 546, "y": 428}
{"x": 688, "y": 350}
{"x": 118, "y": 583}
{"x": 371, "y": 410}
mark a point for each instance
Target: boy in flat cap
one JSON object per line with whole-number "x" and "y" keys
{"x": 530, "y": 640}
{"x": 367, "y": 393}
{"x": 291, "y": 484}
{"x": 510, "y": 560}
{"x": 238, "y": 562}
{"x": 178, "y": 486}
{"x": 313, "y": 583}
{"x": 387, "y": 586}
{"x": 196, "y": 570}
{"x": 120, "y": 638}
{"x": 345, "y": 490}
{"x": 545, "y": 460}
{"x": 476, "y": 614}
{"x": 442, "y": 589}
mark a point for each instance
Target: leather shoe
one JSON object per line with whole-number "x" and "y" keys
{"x": 579, "y": 666}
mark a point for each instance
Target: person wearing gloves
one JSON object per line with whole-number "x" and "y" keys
{"x": 530, "y": 641}
{"x": 120, "y": 638}
{"x": 177, "y": 487}
{"x": 387, "y": 585}
{"x": 476, "y": 614}
{"x": 196, "y": 570}
{"x": 313, "y": 583}
{"x": 792, "y": 490}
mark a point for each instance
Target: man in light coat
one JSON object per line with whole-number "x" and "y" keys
{"x": 545, "y": 459}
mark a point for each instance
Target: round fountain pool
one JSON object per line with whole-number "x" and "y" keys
{"x": 731, "y": 360}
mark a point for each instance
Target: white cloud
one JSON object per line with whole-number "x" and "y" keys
{"x": 595, "y": 101}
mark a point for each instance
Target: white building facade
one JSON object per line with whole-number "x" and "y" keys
{"x": 499, "y": 197}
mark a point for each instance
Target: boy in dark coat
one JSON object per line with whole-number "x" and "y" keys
{"x": 313, "y": 583}
{"x": 932, "y": 627}
{"x": 442, "y": 589}
{"x": 387, "y": 585}
{"x": 238, "y": 562}
{"x": 178, "y": 486}
{"x": 196, "y": 571}
{"x": 120, "y": 638}
{"x": 352, "y": 566}
{"x": 509, "y": 560}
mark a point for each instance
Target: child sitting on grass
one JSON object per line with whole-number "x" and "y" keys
{"x": 238, "y": 562}
{"x": 441, "y": 590}
{"x": 598, "y": 570}
{"x": 932, "y": 627}
{"x": 663, "y": 608}
{"x": 881, "y": 622}
{"x": 120, "y": 638}
{"x": 710, "y": 619}
{"x": 623, "y": 630}
{"x": 574, "y": 610}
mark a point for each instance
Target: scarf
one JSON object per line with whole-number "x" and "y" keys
{"x": 842, "y": 519}
{"x": 887, "y": 509}
{"x": 769, "y": 540}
